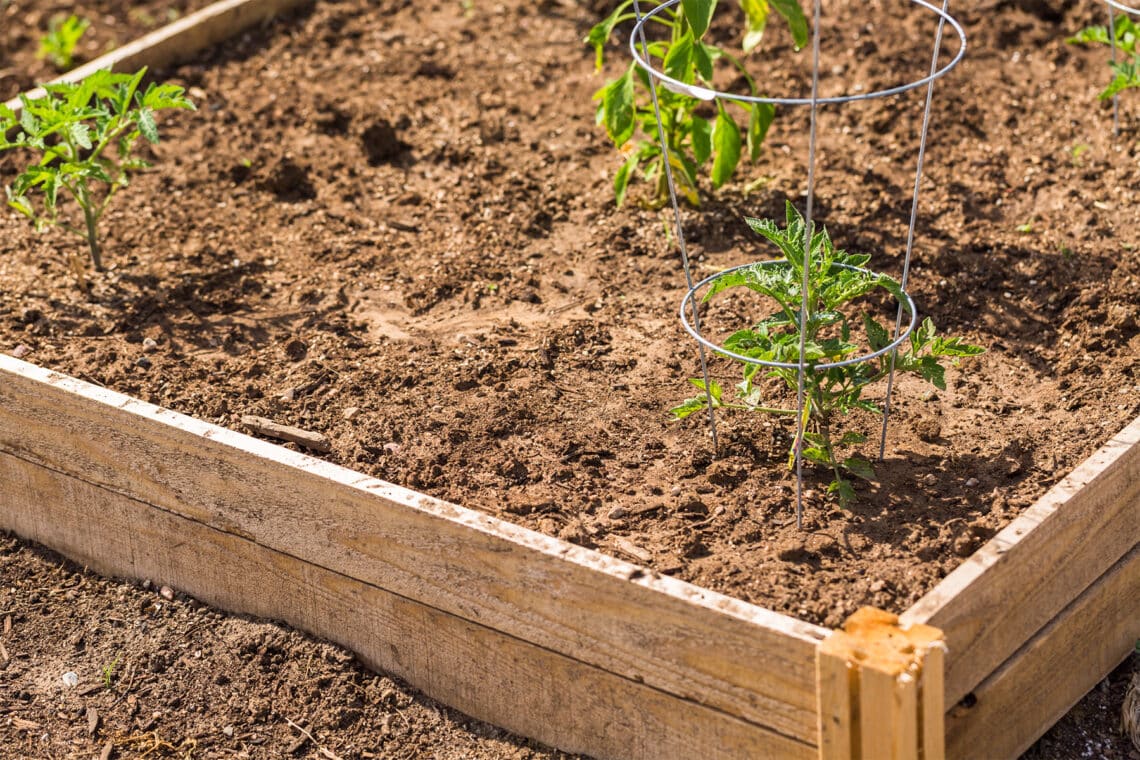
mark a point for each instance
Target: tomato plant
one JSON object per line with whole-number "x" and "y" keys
{"x": 836, "y": 279}
{"x": 1125, "y": 73}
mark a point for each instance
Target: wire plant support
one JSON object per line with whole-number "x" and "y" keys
{"x": 1113, "y": 7}
{"x": 689, "y": 311}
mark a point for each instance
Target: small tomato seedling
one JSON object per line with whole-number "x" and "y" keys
{"x": 82, "y": 137}
{"x": 835, "y": 280}
{"x": 58, "y": 45}
{"x": 625, "y": 105}
{"x": 1125, "y": 73}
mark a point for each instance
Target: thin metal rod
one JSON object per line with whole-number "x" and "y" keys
{"x": 677, "y": 224}
{"x": 801, "y": 373}
{"x": 1116, "y": 96}
{"x": 706, "y": 93}
{"x": 913, "y": 221}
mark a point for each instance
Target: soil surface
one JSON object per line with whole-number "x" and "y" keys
{"x": 392, "y": 223}
{"x": 24, "y": 22}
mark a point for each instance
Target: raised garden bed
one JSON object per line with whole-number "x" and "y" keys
{"x": 510, "y": 430}
{"x": 24, "y": 22}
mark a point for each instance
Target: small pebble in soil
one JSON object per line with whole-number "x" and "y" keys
{"x": 70, "y": 679}
{"x": 289, "y": 394}
{"x": 392, "y": 447}
{"x": 228, "y": 730}
{"x": 21, "y": 351}
{"x": 972, "y": 482}
{"x": 351, "y": 412}
{"x": 618, "y": 513}
{"x": 166, "y": 592}
{"x": 149, "y": 345}
{"x": 144, "y": 362}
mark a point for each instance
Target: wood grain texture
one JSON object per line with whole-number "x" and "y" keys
{"x": 179, "y": 40}
{"x": 696, "y": 644}
{"x": 879, "y": 685}
{"x": 487, "y": 674}
{"x": 1021, "y": 579}
{"x": 1016, "y": 704}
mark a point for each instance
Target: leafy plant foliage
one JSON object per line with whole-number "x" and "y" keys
{"x": 835, "y": 279}
{"x": 58, "y": 45}
{"x": 1126, "y": 72}
{"x": 625, "y": 106}
{"x": 82, "y": 138}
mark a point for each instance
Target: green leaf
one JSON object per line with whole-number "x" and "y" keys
{"x": 678, "y": 63}
{"x": 726, "y": 142}
{"x": 714, "y": 388}
{"x": 851, "y": 438}
{"x": 600, "y": 34}
{"x": 877, "y": 335}
{"x": 843, "y": 490}
{"x": 702, "y": 139}
{"x": 80, "y": 135}
{"x": 699, "y": 15}
{"x": 695, "y": 404}
{"x": 860, "y": 468}
{"x": 816, "y": 454}
{"x": 703, "y": 59}
{"x": 933, "y": 372}
{"x": 760, "y": 119}
{"x": 797, "y": 22}
{"x": 756, "y": 17}
{"x": 617, "y": 108}
{"x": 147, "y": 127}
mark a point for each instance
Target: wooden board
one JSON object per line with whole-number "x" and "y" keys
{"x": 179, "y": 40}
{"x": 487, "y": 674}
{"x": 880, "y": 690}
{"x": 682, "y": 640}
{"x": 1019, "y": 581}
{"x": 1015, "y": 705}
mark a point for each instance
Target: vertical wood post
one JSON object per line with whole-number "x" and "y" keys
{"x": 880, "y": 690}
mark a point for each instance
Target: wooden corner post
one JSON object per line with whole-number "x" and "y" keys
{"x": 880, "y": 690}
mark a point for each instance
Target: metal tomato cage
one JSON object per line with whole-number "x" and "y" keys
{"x": 1113, "y": 7}
{"x": 639, "y": 47}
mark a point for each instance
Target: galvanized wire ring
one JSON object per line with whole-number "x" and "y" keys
{"x": 705, "y": 93}
{"x": 1123, "y": 8}
{"x": 687, "y": 305}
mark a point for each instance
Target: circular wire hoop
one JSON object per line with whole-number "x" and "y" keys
{"x": 907, "y": 305}
{"x": 1122, "y": 7}
{"x": 705, "y": 93}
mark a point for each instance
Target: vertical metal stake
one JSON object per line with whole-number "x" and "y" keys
{"x": 680, "y": 229}
{"x": 913, "y": 219}
{"x": 1116, "y": 97}
{"x": 801, "y": 402}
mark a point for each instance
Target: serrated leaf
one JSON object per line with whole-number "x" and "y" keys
{"x": 842, "y": 490}
{"x": 726, "y": 142}
{"x": 147, "y": 127}
{"x": 852, "y": 438}
{"x": 877, "y": 335}
{"x": 80, "y": 134}
{"x": 860, "y": 468}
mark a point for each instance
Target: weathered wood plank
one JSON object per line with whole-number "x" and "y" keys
{"x": 1015, "y": 705}
{"x": 673, "y": 636}
{"x": 880, "y": 689}
{"x": 1014, "y": 585}
{"x": 179, "y": 40}
{"x": 487, "y": 674}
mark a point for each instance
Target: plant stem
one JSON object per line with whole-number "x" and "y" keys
{"x": 92, "y": 219}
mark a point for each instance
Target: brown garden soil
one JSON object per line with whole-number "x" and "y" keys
{"x": 24, "y": 22}
{"x": 392, "y": 223}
